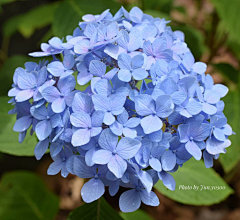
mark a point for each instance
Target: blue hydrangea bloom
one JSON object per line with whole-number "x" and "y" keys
{"x": 138, "y": 108}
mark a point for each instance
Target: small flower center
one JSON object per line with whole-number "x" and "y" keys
{"x": 138, "y": 188}
{"x": 191, "y": 138}
{"x": 114, "y": 152}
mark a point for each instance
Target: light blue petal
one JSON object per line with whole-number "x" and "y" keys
{"x": 155, "y": 164}
{"x": 130, "y": 201}
{"x": 56, "y": 68}
{"x": 219, "y": 134}
{"x": 113, "y": 188}
{"x": 167, "y": 180}
{"x": 194, "y": 150}
{"x": 43, "y": 129}
{"x": 92, "y": 190}
{"x": 128, "y": 147}
{"x": 108, "y": 140}
{"x": 82, "y": 102}
{"x": 108, "y": 118}
{"x": 80, "y": 119}
{"x": 124, "y": 75}
{"x": 116, "y": 165}
{"x": 144, "y": 105}
{"x": 164, "y": 106}
{"x": 55, "y": 168}
{"x": 41, "y": 148}
{"x": 149, "y": 198}
{"x": 124, "y": 61}
{"x": 22, "y": 123}
{"x": 116, "y": 128}
{"x": 81, "y": 137}
{"x": 137, "y": 62}
{"x": 168, "y": 160}
{"x": 208, "y": 159}
{"x": 139, "y": 74}
{"x": 151, "y": 124}
{"x": 103, "y": 87}
{"x": 97, "y": 68}
{"x": 50, "y": 93}
{"x": 59, "y": 105}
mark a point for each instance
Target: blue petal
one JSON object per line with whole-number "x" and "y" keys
{"x": 113, "y": 187}
{"x": 102, "y": 157}
{"x": 82, "y": 102}
{"x": 168, "y": 160}
{"x": 97, "y": 68}
{"x": 117, "y": 166}
{"x": 167, "y": 180}
{"x": 80, "y": 137}
{"x": 43, "y": 129}
{"x": 124, "y": 75}
{"x": 54, "y": 167}
{"x": 149, "y": 198}
{"x": 128, "y": 147}
{"x": 155, "y": 164}
{"x": 130, "y": 201}
{"x": 41, "y": 148}
{"x": 151, "y": 124}
{"x": 92, "y": 190}
{"x": 164, "y": 106}
{"x": 22, "y": 124}
{"x": 208, "y": 159}
{"x": 108, "y": 140}
{"x": 124, "y": 61}
{"x": 194, "y": 150}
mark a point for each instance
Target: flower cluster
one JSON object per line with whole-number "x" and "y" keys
{"x": 147, "y": 107}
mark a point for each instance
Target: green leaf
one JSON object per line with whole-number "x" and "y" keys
{"x": 27, "y": 23}
{"x": 164, "y": 6}
{"x": 193, "y": 173}
{"x": 97, "y": 210}
{"x": 11, "y": 25}
{"x": 2, "y": 2}
{"x": 235, "y": 47}
{"x": 229, "y": 13}
{"x": 194, "y": 39}
{"x": 232, "y": 112}
{"x": 9, "y": 138}
{"x": 69, "y": 14}
{"x": 138, "y": 215}
{"x": 158, "y": 14}
{"x": 8, "y": 68}
{"x": 227, "y": 70}
{"x": 23, "y": 195}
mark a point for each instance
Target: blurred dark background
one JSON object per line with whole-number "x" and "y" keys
{"x": 212, "y": 32}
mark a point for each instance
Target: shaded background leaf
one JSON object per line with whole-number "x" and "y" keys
{"x": 138, "y": 215}
{"x": 194, "y": 173}
{"x": 97, "y": 210}
{"x": 9, "y": 139}
{"x": 23, "y": 195}
{"x": 232, "y": 111}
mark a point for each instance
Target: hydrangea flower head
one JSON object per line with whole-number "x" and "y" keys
{"x": 146, "y": 108}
